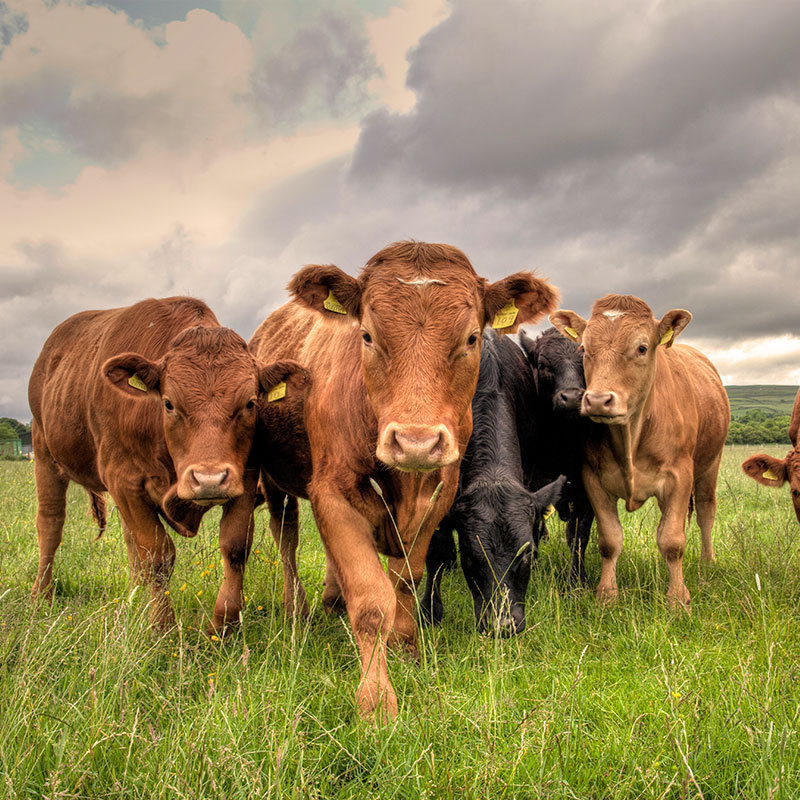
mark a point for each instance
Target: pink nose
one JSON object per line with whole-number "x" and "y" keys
{"x": 418, "y": 448}
{"x": 601, "y": 404}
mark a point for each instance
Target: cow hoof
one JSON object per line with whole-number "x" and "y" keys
{"x": 607, "y": 595}
{"x": 334, "y": 604}
{"x": 405, "y": 646}
{"x": 376, "y": 712}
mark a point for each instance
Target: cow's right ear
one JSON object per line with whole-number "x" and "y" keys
{"x": 528, "y": 346}
{"x": 569, "y": 323}
{"x": 283, "y": 378}
{"x": 766, "y": 470}
{"x": 132, "y": 374}
{"x": 327, "y": 289}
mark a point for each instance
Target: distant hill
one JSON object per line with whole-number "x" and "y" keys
{"x": 770, "y": 399}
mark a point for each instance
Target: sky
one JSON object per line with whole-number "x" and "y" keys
{"x": 159, "y": 147}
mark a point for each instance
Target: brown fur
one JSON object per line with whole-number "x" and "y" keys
{"x": 666, "y": 418}
{"x": 93, "y": 427}
{"x": 393, "y": 408}
{"x": 787, "y": 469}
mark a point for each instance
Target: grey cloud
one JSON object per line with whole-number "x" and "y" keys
{"x": 11, "y": 23}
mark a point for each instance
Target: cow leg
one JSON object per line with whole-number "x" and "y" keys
{"x": 51, "y": 495}
{"x": 235, "y": 541}
{"x": 705, "y": 504}
{"x": 154, "y": 556}
{"x": 284, "y": 527}
{"x": 581, "y": 519}
{"x": 609, "y": 536}
{"x": 332, "y": 598}
{"x": 672, "y": 536}
{"x": 441, "y": 556}
{"x": 405, "y": 574}
{"x": 368, "y": 595}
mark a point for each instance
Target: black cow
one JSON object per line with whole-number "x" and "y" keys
{"x": 560, "y": 433}
{"x": 495, "y": 514}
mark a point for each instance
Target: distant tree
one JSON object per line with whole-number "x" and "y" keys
{"x": 7, "y": 432}
{"x": 19, "y": 427}
{"x": 757, "y": 427}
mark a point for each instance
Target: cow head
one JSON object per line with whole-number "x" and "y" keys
{"x": 495, "y": 523}
{"x": 775, "y": 472}
{"x": 419, "y": 310}
{"x": 209, "y": 386}
{"x": 620, "y": 342}
{"x": 557, "y": 364}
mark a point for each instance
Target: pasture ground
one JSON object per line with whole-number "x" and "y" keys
{"x": 633, "y": 701}
{"x": 772, "y": 399}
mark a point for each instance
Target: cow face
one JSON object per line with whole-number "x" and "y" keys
{"x": 495, "y": 525}
{"x": 418, "y": 310}
{"x": 774, "y": 472}
{"x": 620, "y": 342}
{"x": 209, "y": 386}
{"x": 557, "y": 364}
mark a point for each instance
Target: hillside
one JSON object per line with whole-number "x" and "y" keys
{"x": 771, "y": 399}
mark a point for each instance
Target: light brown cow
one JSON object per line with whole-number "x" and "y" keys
{"x": 663, "y": 418}
{"x": 394, "y": 359}
{"x": 167, "y": 430}
{"x": 775, "y": 472}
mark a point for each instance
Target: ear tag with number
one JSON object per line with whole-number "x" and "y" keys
{"x": 667, "y": 336}
{"x": 137, "y": 383}
{"x": 332, "y": 303}
{"x": 277, "y": 392}
{"x": 506, "y": 316}
{"x": 571, "y": 332}
{"x": 549, "y": 511}
{"x": 770, "y": 475}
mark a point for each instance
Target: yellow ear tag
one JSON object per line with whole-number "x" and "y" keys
{"x": 549, "y": 511}
{"x": 277, "y": 392}
{"x": 571, "y": 332}
{"x": 332, "y": 304}
{"x": 137, "y": 383}
{"x": 770, "y": 475}
{"x": 667, "y": 336}
{"x": 506, "y": 316}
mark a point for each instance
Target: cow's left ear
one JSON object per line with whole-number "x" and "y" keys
{"x": 521, "y": 297}
{"x": 132, "y": 374}
{"x": 548, "y": 495}
{"x": 672, "y": 323}
{"x": 327, "y": 289}
{"x": 766, "y": 470}
{"x": 282, "y": 378}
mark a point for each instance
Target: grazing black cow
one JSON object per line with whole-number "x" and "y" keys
{"x": 560, "y": 435}
{"x": 494, "y": 512}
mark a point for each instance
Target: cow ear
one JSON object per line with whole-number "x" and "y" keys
{"x": 282, "y": 378}
{"x": 132, "y": 374}
{"x": 569, "y": 323}
{"x": 548, "y": 495}
{"x": 766, "y": 470}
{"x": 528, "y": 346}
{"x": 672, "y": 323}
{"x": 521, "y": 297}
{"x": 327, "y": 289}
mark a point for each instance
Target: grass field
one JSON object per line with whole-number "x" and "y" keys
{"x": 776, "y": 400}
{"x": 633, "y": 701}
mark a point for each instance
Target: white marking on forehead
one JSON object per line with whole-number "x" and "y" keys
{"x": 613, "y": 314}
{"x": 422, "y": 282}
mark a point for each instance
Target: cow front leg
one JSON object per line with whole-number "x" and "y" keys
{"x": 154, "y": 553}
{"x": 367, "y": 593}
{"x": 672, "y": 536}
{"x": 441, "y": 556}
{"x": 405, "y": 574}
{"x": 609, "y": 536}
{"x": 235, "y": 541}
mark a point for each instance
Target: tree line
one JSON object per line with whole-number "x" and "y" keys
{"x": 758, "y": 427}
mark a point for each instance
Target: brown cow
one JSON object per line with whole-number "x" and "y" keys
{"x": 167, "y": 430}
{"x": 664, "y": 415}
{"x": 775, "y": 472}
{"x": 394, "y": 359}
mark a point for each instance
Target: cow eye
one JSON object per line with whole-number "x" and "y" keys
{"x": 795, "y": 492}
{"x": 169, "y": 405}
{"x": 251, "y": 404}
{"x": 366, "y": 337}
{"x": 641, "y": 349}
{"x": 472, "y": 339}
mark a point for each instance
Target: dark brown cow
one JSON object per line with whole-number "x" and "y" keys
{"x": 664, "y": 415}
{"x": 775, "y": 472}
{"x": 394, "y": 359}
{"x": 167, "y": 430}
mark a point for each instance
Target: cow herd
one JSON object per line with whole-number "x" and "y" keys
{"x": 396, "y": 405}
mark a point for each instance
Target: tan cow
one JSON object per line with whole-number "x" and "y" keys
{"x": 662, "y": 416}
{"x": 167, "y": 430}
{"x": 775, "y": 472}
{"x": 394, "y": 357}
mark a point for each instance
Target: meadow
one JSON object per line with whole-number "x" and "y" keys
{"x": 772, "y": 399}
{"x": 629, "y": 701}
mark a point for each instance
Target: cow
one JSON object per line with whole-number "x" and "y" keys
{"x": 156, "y": 404}
{"x": 393, "y": 357}
{"x": 494, "y": 513}
{"x": 557, "y": 364}
{"x": 775, "y": 472}
{"x": 661, "y": 417}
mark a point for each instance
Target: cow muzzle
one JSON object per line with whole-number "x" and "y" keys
{"x": 210, "y": 484}
{"x": 417, "y": 448}
{"x": 607, "y": 407}
{"x": 567, "y": 401}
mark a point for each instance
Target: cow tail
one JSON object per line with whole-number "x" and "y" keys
{"x": 99, "y": 512}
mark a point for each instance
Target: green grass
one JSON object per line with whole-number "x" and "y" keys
{"x": 773, "y": 399}
{"x": 632, "y": 701}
